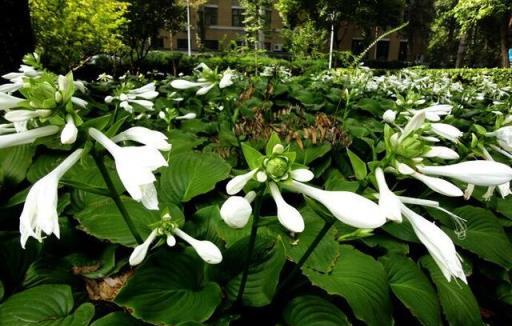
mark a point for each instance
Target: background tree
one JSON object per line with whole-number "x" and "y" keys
{"x": 69, "y": 31}
{"x": 17, "y": 38}
{"x": 146, "y": 19}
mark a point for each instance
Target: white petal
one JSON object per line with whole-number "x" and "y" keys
{"x": 446, "y": 131}
{"x": 414, "y": 123}
{"x": 478, "y": 172}
{"x": 442, "y": 152}
{"x": 439, "y": 185}
{"x": 188, "y": 116}
{"x": 149, "y": 196}
{"x": 302, "y": 175}
{"x": 79, "y": 102}
{"x": 8, "y": 101}
{"x": 226, "y": 79}
{"x": 238, "y": 183}
{"x": 144, "y": 136}
{"x": 388, "y": 201}
{"x": 70, "y": 132}
{"x": 205, "y": 89}
{"x": 185, "y": 84}
{"x": 288, "y": 216}
{"x": 140, "y": 252}
{"x": 27, "y": 137}
{"x": 209, "y": 252}
{"x": 389, "y": 116}
{"x": 348, "y": 207}
{"x": 236, "y": 211}
{"x": 171, "y": 240}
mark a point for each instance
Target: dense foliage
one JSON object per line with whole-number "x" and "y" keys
{"x": 113, "y": 252}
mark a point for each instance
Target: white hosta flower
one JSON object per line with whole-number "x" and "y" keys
{"x": 186, "y": 84}
{"x": 442, "y": 152}
{"x": 434, "y": 113}
{"x": 140, "y": 252}
{"x": 205, "y": 89}
{"x": 431, "y": 139}
{"x": 147, "y": 92}
{"x": 237, "y": 210}
{"x": 27, "y": 137}
{"x": 389, "y": 116}
{"x": 479, "y": 172}
{"x": 439, "y": 185}
{"x": 302, "y": 175}
{"x": 8, "y": 102}
{"x": 188, "y": 116}
{"x": 208, "y": 251}
{"x": 70, "y": 131}
{"x": 144, "y": 136}
{"x": 446, "y": 131}
{"x": 388, "y": 201}
{"x": 238, "y": 183}
{"x": 288, "y": 216}
{"x": 438, "y": 244}
{"x": 348, "y": 207}
{"x": 79, "y": 102}
{"x": 414, "y": 123}
{"x": 24, "y": 115}
{"x": 503, "y": 189}
{"x": 135, "y": 166}
{"x": 226, "y": 80}
{"x": 39, "y": 213}
{"x": 503, "y": 137}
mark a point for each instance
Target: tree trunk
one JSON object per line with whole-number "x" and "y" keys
{"x": 504, "y": 41}
{"x": 17, "y": 37}
{"x": 460, "y": 50}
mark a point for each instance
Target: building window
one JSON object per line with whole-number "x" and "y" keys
{"x": 357, "y": 46}
{"x": 237, "y": 17}
{"x": 402, "y": 52}
{"x": 211, "y": 44}
{"x": 182, "y": 44}
{"x": 382, "y": 51}
{"x": 210, "y": 15}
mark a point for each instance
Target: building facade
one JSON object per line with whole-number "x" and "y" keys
{"x": 219, "y": 24}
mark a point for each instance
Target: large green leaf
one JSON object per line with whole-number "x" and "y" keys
{"x": 15, "y": 161}
{"x": 324, "y": 256}
{"x": 170, "y": 288}
{"x": 362, "y": 281}
{"x": 310, "y": 310}
{"x": 484, "y": 235}
{"x": 458, "y": 302}
{"x": 103, "y": 220}
{"x": 191, "y": 174}
{"x": 266, "y": 264}
{"x": 358, "y": 165}
{"x": 45, "y": 305}
{"x": 117, "y": 319}
{"x": 413, "y": 288}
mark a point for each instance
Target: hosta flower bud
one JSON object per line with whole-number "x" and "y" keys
{"x": 277, "y": 167}
{"x": 479, "y": 172}
{"x": 389, "y": 116}
{"x": 70, "y": 132}
{"x": 58, "y": 97}
{"x": 236, "y": 211}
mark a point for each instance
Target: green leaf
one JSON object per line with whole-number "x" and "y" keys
{"x": 191, "y": 174}
{"x": 170, "y": 288}
{"x": 413, "y": 288}
{"x": 45, "y": 305}
{"x": 484, "y": 235}
{"x": 2, "y": 290}
{"x": 272, "y": 141}
{"x": 103, "y": 220}
{"x": 362, "y": 281}
{"x": 358, "y": 165}
{"x": 15, "y": 161}
{"x": 252, "y": 156}
{"x": 310, "y": 310}
{"x": 458, "y": 302}
{"x": 324, "y": 256}
{"x": 15, "y": 260}
{"x": 117, "y": 319}
{"x": 313, "y": 152}
{"x": 183, "y": 141}
{"x": 267, "y": 261}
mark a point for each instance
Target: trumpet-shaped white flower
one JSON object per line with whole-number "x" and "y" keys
{"x": 8, "y": 102}
{"x": 439, "y": 185}
{"x": 208, "y": 251}
{"x": 434, "y": 113}
{"x": 442, "y": 152}
{"x": 237, "y": 210}
{"x": 39, "y": 213}
{"x": 389, "y": 116}
{"x": 79, "y": 102}
{"x": 438, "y": 244}
{"x": 24, "y": 115}
{"x": 288, "y": 216}
{"x": 27, "y": 137}
{"x": 188, "y": 116}
{"x": 503, "y": 189}
{"x": 140, "y": 96}
{"x": 503, "y": 137}
{"x": 144, "y": 136}
{"x": 478, "y": 172}
{"x": 238, "y": 183}
{"x": 70, "y": 131}
{"x": 414, "y": 123}
{"x": 205, "y": 89}
{"x": 388, "y": 201}
{"x": 186, "y": 84}
{"x": 135, "y": 166}
{"x": 348, "y": 207}
{"x": 447, "y": 131}
{"x": 226, "y": 80}
{"x": 302, "y": 175}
